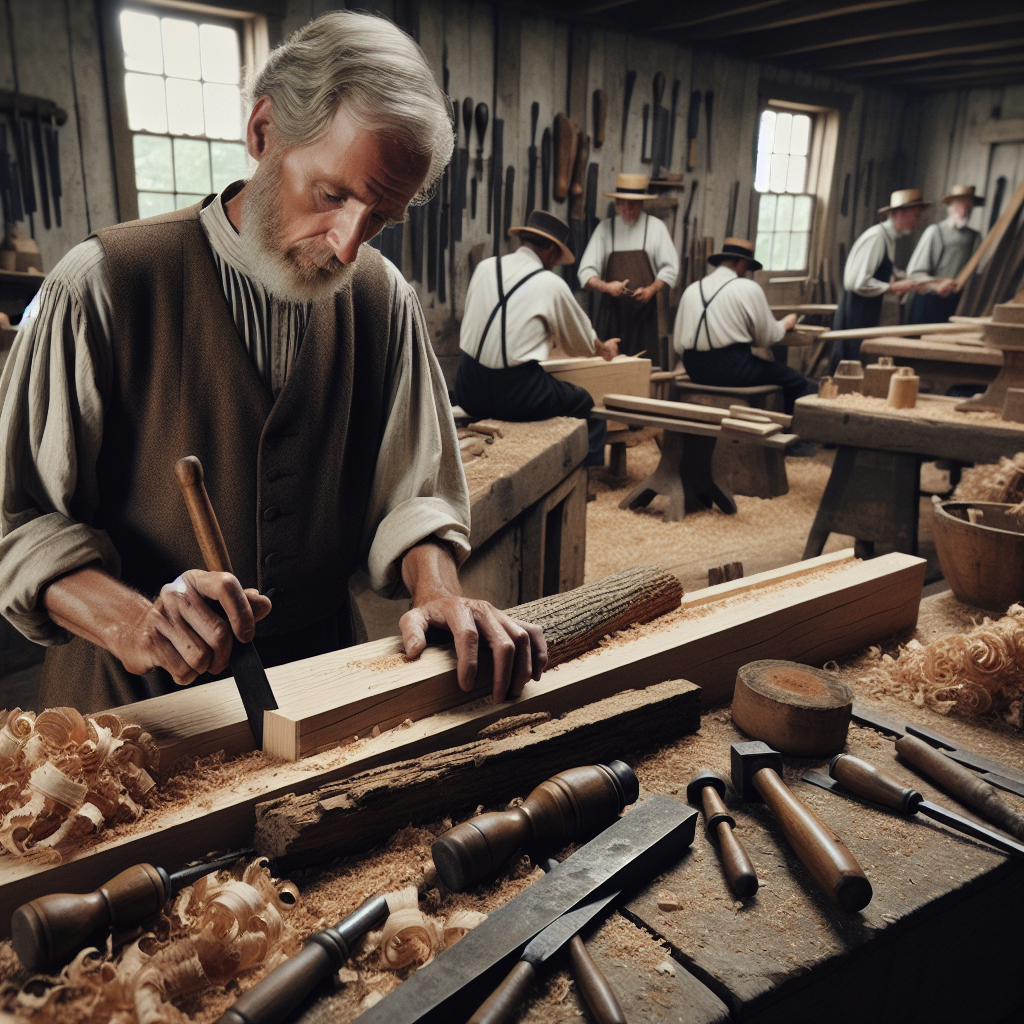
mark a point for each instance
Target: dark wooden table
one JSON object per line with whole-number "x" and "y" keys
{"x": 873, "y": 491}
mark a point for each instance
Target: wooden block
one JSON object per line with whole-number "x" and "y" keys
{"x": 627, "y": 375}
{"x": 746, "y": 411}
{"x": 353, "y": 815}
{"x": 492, "y": 427}
{"x": 725, "y": 573}
{"x": 737, "y": 426}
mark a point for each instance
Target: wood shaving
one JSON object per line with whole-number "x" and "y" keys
{"x": 924, "y": 410}
{"x": 64, "y": 777}
{"x": 1000, "y": 482}
{"x": 979, "y": 673}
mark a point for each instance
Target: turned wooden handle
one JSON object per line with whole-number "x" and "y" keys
{"x": 593, "y": 985}
{"x": 961, "y": 783}
{"x": 189, "y": 473}
{"x": 502, "y": 1005}
{"x": 826, "y": 857}
{"x": 864, "y": 779}
{"x": 691, "y": 160}
{"x": 735, "y": 862}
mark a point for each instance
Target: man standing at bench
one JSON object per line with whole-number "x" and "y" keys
{"x": 721, "y": 316}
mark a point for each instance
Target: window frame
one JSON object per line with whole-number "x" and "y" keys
{"x": 253, "y": 35}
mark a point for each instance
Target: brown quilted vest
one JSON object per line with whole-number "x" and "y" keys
{"x": 289, "y": 479}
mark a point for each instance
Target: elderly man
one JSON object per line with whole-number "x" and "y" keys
{"x": 721, "y": 316}
{"x": 515, "y": 309}
{"x": 257, "y": 331}
{"x": 940, "y": 255}
{"x": 869, "y": 270}
{"x": 629, "y": 259}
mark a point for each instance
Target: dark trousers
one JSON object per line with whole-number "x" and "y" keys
{"x": 525, "y": 393}
{"x": 932, "y": 309}
{"x": 737, "y": 367}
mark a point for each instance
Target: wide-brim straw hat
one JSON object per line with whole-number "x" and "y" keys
{"x": 631, "y": 186}
{"x": 905, "y": 199}
{"x": 736, "y": 249}
{"x": 548, "y": 226}
{"x": 964, "y": 192}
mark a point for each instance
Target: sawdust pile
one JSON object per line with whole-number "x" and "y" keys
{"x": 1001, "y": 482}
{"x": 977, "y": 673}
{"x": 64, "y": 777}
{"x": 945, "y": 412}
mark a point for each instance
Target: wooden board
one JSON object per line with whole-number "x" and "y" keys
{"x": 894, "y": 331}
{"x": 353, "y": 815}
{"x": 779, "y": 441}
{"x": 627, "y": 375}
{"x": 827, "y": 422}
{"x": 932, "y": 350}
{"x": 660, "y": 407}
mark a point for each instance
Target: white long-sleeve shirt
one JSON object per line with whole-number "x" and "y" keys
{"x": 542, "y": 311}
{"x": 866, "y": 254}
{"x": 54, "y": 390}
{"x": 942, "y": 251}
{"x": 740, "y": 315}
{"x": 658, "y": 246}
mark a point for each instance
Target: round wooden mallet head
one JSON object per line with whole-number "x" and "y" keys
{"x": 798, "y": 710}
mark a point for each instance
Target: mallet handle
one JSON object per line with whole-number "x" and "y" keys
{"x": 735, "y": 862}
{"x": 822, "y": 852}
{"x": 189, "y": 474}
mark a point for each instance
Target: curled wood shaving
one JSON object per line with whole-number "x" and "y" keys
{"x": 460, "y": 922}
{"x": 975, "y": 673}
{"x": 1000, "y": 482}
{"x": 409, "y": 938}
{"x": 64, "y": 776}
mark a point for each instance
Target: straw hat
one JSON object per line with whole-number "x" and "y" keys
{"x": 548, "y": 226}
{"x": 736, "y": 249}
{"x": 905, "y": 199}
{"x": 631, "y": 186}
{"x": 964, "y": 192}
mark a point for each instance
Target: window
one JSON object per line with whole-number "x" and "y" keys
{"x": 182, "y": 84}
{"x": 785, "y": 207}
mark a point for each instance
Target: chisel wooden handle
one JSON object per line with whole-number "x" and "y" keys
{"x": 738, "y": 869}
{"x": 870, "y": 782}
{"x": 961, "y": 783}
{"x": 593, "y": 985}
{"x": 502, "y": 1005}
{"x": 826, "y": 857}
{"x": 189, "y": 474}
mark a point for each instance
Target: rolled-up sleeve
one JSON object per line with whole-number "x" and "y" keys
{"x": 865, "y": 256}
{"x": 419, "y": 489}
{"x": 662, "y": 252}
{"x": 51, "y": 428}
{"x": 595, "y": 254}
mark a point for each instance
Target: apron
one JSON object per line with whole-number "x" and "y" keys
{"x": 858, "y": 311}
{"x": 635, "y": 323}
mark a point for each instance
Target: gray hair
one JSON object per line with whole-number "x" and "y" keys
{"x": 372, "y": 67}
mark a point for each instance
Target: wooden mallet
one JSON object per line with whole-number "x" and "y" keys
{"x": 706, "y": 790}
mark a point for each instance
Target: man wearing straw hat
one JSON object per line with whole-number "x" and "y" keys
{"x": 940, "y": 255}
{"x": 515, "y": 308}
{"x": 721, "y": 316}
{"x": 869, "y": 270}
{"x": 629, "y": 259}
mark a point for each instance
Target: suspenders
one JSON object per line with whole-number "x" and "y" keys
{"x": 703, "y": 322}
{"x": 503, "y": 298}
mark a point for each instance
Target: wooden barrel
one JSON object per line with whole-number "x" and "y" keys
{"x": 983, "y": 561}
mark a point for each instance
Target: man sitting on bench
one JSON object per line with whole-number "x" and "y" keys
{"x": 721, "y": 317}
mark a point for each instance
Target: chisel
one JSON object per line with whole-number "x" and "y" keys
{"x": 851, "y": 775}
{"x": 506, "y": 221}
{"x": 21, "y": 147}
{"x": 53, "y": 156}
{"x": 545, "y": 170}
{"x": 531, "y": 156}
{"x": 692, "y": 127}
{"x": 670, "y": 144}
{"x": 251, "y": 680}
{"x": 49, "y": 931}
{"x": 709, "y": 105}
{"x": 627, "y": 97}
{"x": 37, "y": 144}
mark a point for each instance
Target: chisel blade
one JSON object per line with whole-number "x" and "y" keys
{"x": 253, "y": 687}
{"x": 556, "y": 935}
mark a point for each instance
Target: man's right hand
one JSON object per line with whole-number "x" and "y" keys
{"x": 903, "y": 286}
{"x": 179, "y": 631}
{"x": 607, "y": 350}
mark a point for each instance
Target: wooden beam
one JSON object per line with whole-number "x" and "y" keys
{"x": 994, "y": 235}
{"x": 1011, "y": 55}
{"x": 1010, "y": 75}
{"x": 743, "y": 7}
{"x": 350, "y": 816}
{"x": 894, "y": 331}
{"x": 896, "y": 50}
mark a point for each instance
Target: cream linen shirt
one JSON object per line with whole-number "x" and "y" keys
{"x": 866, "y": 254}
{"x": 659, "y": 248}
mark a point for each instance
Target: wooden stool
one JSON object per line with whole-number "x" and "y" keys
{"x": 745, "y": 469}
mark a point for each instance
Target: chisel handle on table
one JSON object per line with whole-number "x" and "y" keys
{"x": 735, "y": 862}
{"x": 870, "y": 782}
{"x": 593, "y": 985}
{"x": 961, "y": 783}
{"x": 502, "y": 1005}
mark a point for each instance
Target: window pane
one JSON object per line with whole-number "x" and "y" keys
{"x": 766, "y": 213}
{"x": 140, "y": 37}
{"x": 801, "y": 139}
{"x": 192, "y": 165}
{"x": 780, "y": 252}
{"x": 147, "y": 110}
{"x": 153, "y": 163}
{"x": 223, "y": 105}
{"x": 183, "y": 199}
{"x": 763, "y": 248}
{"x": 797, "y": 251}
{"x": 802, "y": 213}
{"x": 779, "y": 173}
{"x": 219, "y": 48}
{"x": 181, "y": 47}
{"x": 797, "y": 174}
{"x": 762, "y": 171}
{"x": 228, "y": 163}
{"x": 184, "y": 107}
{"x": 784, "y": 214}
{"x": 783, "y": 131}
{"x": 152, "y": 203}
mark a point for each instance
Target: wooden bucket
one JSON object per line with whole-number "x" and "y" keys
{"x": 983, "y": 562}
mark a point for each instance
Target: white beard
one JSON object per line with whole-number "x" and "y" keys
{"x": 307, "y": 271}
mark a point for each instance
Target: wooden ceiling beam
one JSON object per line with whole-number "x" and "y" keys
{"x": 1007, "y": 76}
{"x": 1010, "y": 56}
{"x": 695, "y": 13}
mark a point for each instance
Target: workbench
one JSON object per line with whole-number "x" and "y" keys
{"x": 941, "y": 364}
{"x": 528, "y": 509}
{"x": 873, "y": 491}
